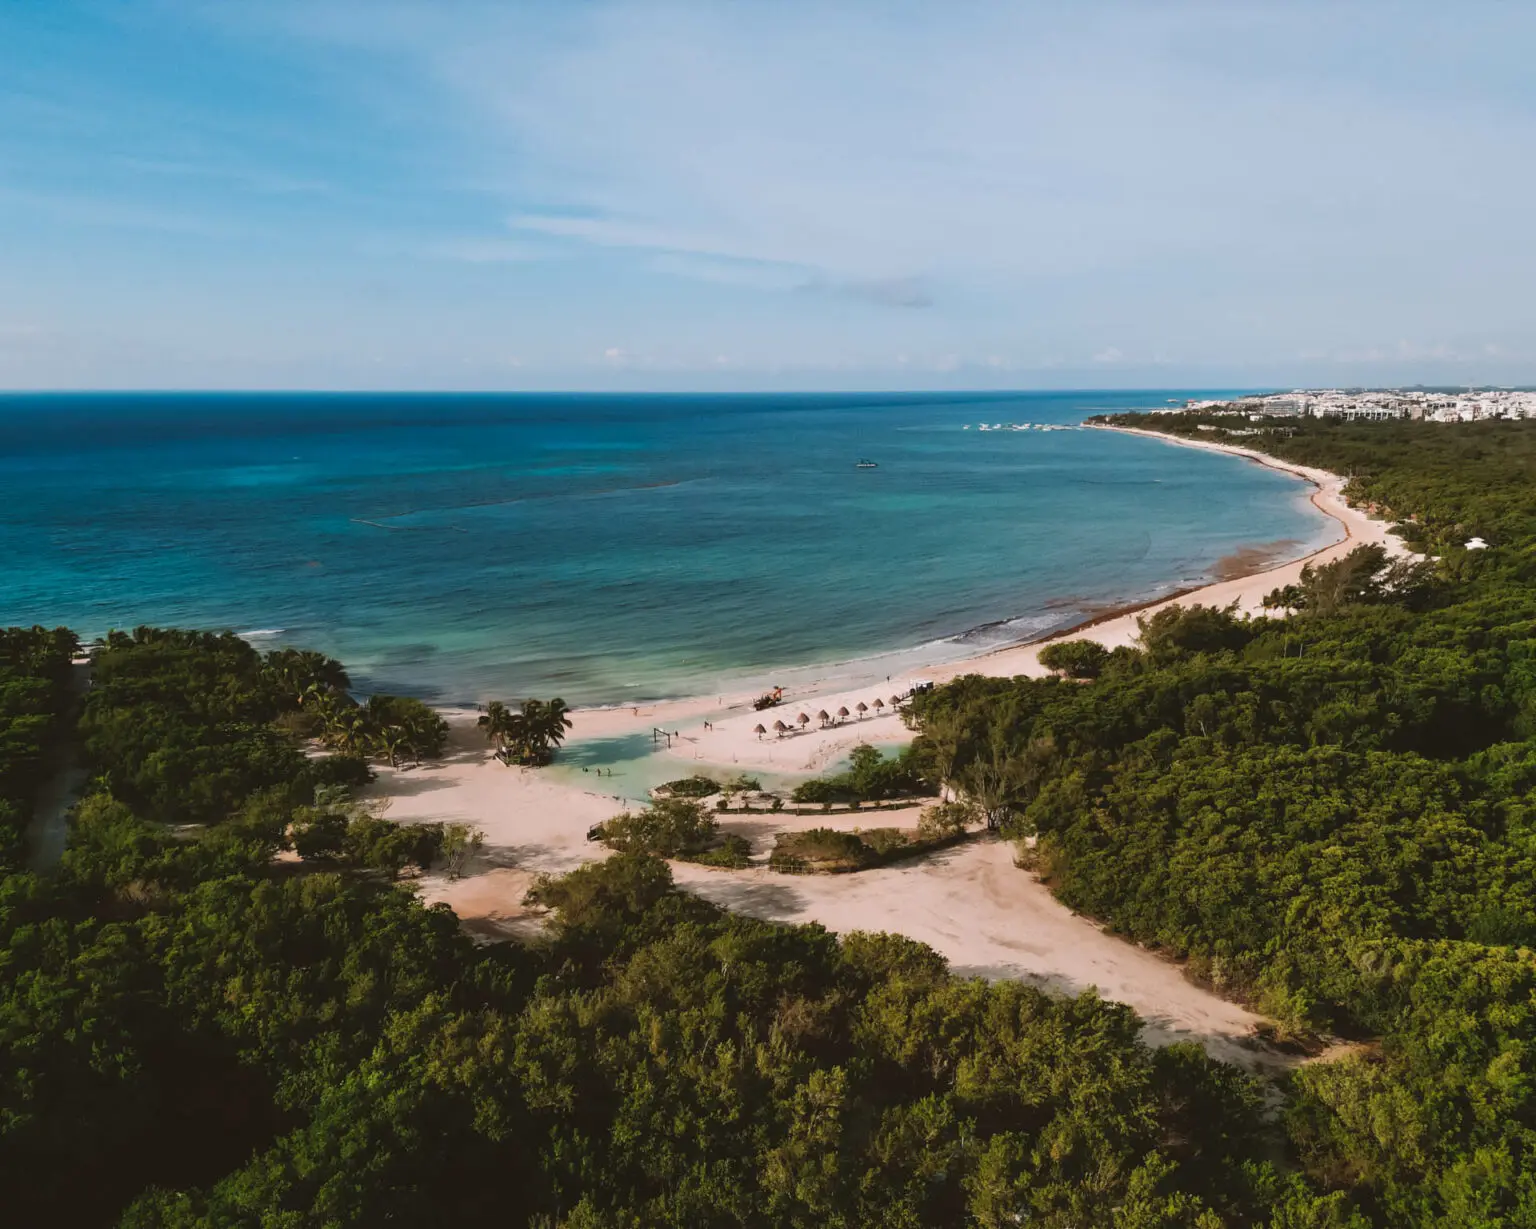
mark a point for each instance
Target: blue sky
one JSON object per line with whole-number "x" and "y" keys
{"x": 341, "y": 194}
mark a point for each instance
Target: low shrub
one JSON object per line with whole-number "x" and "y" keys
{"x": 884, "y": 840}
{"x": 870, "y": 778}
{"x": 732, "y": 853}
{"x": 690, "y": 787}
{"x": 946, "y": 819}
{"x": 820, "y": 849}
{"x": 1075, "y": 659}
{"x": 668, "y": 828}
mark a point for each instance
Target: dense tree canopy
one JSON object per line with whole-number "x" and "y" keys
{"x": 196, "y": 1034}
{"x": 34, "y": 671}
{"x": 1330, "y": 815}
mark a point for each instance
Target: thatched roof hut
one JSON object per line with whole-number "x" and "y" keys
{"x": 862, "y": 707}
{"x": 803, "y": 720}
{"x": 843, "y": 712}
{"x": 823, "y": 716}
{"x": 759, "y": 729}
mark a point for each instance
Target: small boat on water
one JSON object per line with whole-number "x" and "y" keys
{"x": 865, "y": 463}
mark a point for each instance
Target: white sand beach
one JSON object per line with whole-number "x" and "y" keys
{"x": 969, "y": 902}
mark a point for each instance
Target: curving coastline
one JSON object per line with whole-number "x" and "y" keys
{"x": 731, "y": 740}
{"x": 971, "y": 904}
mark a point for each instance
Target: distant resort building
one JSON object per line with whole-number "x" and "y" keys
{"x": 1380, "y": 405}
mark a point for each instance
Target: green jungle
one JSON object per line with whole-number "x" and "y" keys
{"x": 224, "y": 1007}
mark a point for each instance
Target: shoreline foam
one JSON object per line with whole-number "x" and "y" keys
{"x": 1113, "y": 626}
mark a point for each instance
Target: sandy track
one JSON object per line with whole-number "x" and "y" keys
{"x": 968, "y": 902}
{"x": 992, "y": 920}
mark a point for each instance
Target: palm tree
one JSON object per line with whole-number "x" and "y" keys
{"x": 545, "y": 723}
{"x": 392, "y": 739}
{"x": 497, "y": 721}
{"x": 348, "y": 729}
{"x": 530, "y": 736}
{"x": 306, "y": 674}
{"x": 554, "y": 722}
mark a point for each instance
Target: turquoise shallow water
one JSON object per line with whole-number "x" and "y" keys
{"x": 607, "y": 548}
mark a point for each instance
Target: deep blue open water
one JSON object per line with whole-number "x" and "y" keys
{"x": 607, "y": 548}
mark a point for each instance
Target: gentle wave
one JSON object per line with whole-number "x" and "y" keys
{"x": 661, "y": 544}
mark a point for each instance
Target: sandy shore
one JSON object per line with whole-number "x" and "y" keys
{"x": 731, "y": 739}
{"x": 969, "y": 902}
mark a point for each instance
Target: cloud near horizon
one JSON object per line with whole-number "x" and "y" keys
{"x": 1208, "y": 193}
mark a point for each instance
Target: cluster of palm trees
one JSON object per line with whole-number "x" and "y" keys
{"x": 530, "y": 736}
{"x": 305, "y": 675}
{"x": 394, "y": 728}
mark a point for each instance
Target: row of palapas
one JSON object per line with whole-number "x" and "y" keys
{"x": 827, "y": 719}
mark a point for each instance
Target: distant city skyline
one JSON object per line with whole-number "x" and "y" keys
{"x": 659, "y": 196}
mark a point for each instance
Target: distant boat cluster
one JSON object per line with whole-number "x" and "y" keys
{"x": 1018, "y": 426}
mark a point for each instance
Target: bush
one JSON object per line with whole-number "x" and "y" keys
{"x": 351, "y": 771}
{"x": 603, "y": 893}
{"x": 820, "y": 849}
{"x": 668, "y": 828}
{"x": 383, "y": 846}
{"x": 1075, "y": 659}
{"x": 870, "y": 777}
{"x": 825, "y": 790}
{"x": 318, "y": 835}
{"x": 690, "y": 787}
{"x": 884, "y": 840}
{"x": 946, "y": 819}
{"x": 1175, "y": 632}
{"x": 732, "y": 853}
{"x": 459, "y": 844}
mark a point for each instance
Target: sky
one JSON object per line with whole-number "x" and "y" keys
{"x": 786, "y": 195}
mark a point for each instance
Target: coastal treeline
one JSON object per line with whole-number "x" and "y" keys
{"x": 224, "y": 1007}
{"x": 34, "y": 694}
{"x": 198, "y": 1027}
{"x": 1331, "y": 816}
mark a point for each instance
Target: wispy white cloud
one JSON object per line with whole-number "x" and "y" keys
{"x": 1226, "y": 188}
{"x": 1001, "y": 142}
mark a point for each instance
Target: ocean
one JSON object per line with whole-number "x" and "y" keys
{"x": 610, "y": 548}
